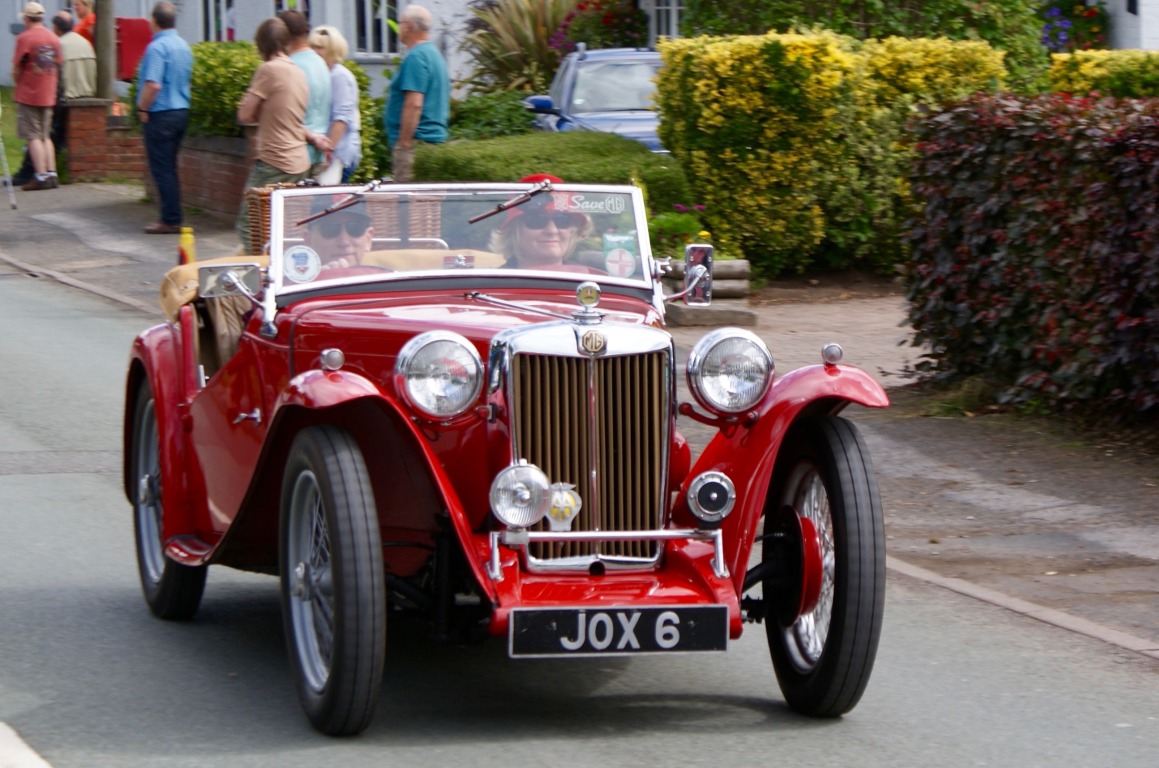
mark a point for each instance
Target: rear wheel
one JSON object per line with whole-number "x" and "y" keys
{"x": 172, "y": 590}
{"x": 823, "y": 657}
{"x": 333, "y": 584}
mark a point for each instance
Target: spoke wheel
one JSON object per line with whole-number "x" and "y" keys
{"x": 172, "y": 590}
{"x": 333, "y": 584}
{"x": 823, "y": 658}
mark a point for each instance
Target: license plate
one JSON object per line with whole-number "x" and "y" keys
{"x": 537, "y": 632}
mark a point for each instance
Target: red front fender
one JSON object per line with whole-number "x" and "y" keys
{"x": 748, "y": 456}
{"x": 317, "y": 389}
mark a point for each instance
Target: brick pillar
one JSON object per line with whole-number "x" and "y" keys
{"x": 102, "y": 146}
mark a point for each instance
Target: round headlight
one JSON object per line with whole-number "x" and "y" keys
{"x": 520, "y": 495}
{"x": 439, "y": 373}
{"x": 729, "y": 370}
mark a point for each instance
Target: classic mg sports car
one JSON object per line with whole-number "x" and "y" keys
{"x": 460, "y": 401}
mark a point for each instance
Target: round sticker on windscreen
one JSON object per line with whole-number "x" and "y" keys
{"x": 302, "y": 264}
{"x": 620, "y": 262}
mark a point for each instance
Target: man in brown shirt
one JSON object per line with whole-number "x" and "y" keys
{"x": 276, "y": 103}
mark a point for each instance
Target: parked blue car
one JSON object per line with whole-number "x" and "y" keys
{"x": 607, "y": 90}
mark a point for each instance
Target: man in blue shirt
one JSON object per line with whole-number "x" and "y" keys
{"x": 163, "y": 108}
{"x": 419, "y": 106}
{"x": 317, "y": 78}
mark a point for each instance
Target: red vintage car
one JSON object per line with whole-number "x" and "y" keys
{"x": 461, "y": 400}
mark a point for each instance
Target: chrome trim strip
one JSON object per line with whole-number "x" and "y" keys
{"x": 519, "y": 539}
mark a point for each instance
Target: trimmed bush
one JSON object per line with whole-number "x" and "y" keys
{"x": 795, "y": 143}
{"x": 490, "y": 115}
{"x": 583, "y": 157}
{"x": 221, "y": 75}
{"x": 1036, "y": 257}
{"x": 1123, "y": 73}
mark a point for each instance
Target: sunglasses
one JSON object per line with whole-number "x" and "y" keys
{"x": 539, "y": 219}
{"x": 330, "y": 228}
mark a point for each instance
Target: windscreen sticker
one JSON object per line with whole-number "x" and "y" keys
{"x": 620, "y": 255}
{"x": 302, "y": 264}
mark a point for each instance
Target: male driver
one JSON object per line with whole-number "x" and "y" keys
{"x": 341, "y": 238}
{"x": 36, "y": 72}
{"x": 166, "y": 72}
{"x": 419, "y": 106}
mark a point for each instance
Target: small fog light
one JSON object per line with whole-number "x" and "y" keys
{"x": 711, "y": 497}
{"x": 520, "y": 495}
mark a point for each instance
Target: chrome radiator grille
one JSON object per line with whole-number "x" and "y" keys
{"x": 601, "y": 425}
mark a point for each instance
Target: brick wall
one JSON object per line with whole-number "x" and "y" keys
{"x": 104, "y": 147}
{"x": 213, "y": 173}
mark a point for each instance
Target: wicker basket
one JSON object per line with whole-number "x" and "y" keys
{"x": 424, "y": 219}
{"x": 258, "y": 202}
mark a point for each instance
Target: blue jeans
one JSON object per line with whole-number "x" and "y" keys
{"x": 163, "y": 135}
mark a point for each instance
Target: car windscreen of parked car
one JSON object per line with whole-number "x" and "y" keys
{"x": 614, "y": 86}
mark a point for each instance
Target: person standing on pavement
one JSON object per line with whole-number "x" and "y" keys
{"x": 79, "y": 73}
{"x": 419, "y": 106}
{"x": 36, "y": 72}
{"x": 78, "y": 79}
{"x": 164, "y": 76}
{"x": 317, "y": 78}
{"x": 276, "y": 103}
{"x": 345, "y": 131}
{"x": 86, "y": 20}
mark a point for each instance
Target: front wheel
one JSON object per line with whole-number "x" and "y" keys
{"x": 823, "y": 657}
{"x": 172, "y": 590}
{"x": 333, "y": 584}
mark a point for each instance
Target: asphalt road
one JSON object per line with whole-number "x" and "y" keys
{"x": 89, "y": 678}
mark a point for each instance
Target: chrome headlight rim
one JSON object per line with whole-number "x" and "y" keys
{"x": 404, "y": 374}
{"x": 702, "y": 351}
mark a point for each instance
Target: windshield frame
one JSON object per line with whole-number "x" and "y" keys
{"x": 278, "y": 285}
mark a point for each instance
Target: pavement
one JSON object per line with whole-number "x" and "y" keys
{"x": 90, "y": 236}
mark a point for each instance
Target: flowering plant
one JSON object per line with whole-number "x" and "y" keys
{"x": 672, "y": 230}
{"x": 1074, "y": 26}
{"x": 602, "y": 24}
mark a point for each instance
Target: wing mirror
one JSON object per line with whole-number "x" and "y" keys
{"x": 221, "y": 281}
{"x": 697, "y": 276}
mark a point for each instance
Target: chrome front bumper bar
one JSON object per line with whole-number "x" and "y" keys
{"x": 517, "y": 539}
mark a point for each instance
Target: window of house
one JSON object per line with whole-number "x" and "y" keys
{"x": 217, "y": 20}
{"x": 663, "y": 18}
{"x": 374, "y": 34}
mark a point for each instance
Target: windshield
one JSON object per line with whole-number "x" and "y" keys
{"x": 614, "y": 86}
{"x": 355, "y": 234}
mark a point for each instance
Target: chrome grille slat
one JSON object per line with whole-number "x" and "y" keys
{"x": 554, "y": 428}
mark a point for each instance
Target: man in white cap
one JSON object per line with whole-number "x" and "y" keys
{"x": 36, "y": 72}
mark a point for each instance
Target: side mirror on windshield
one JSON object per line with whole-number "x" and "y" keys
{"x": 697, "y": 275}
{"x": 221, "y": 281}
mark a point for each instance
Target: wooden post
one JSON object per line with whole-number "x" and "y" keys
{"x": 106, "y": 47}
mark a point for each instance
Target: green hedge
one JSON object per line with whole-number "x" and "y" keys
{"x": 577, "y": 156}
{"x": 1035, "y": 259}
{"x": 794, "y": 143}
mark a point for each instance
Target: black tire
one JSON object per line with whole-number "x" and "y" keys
{"x": 823, "y": 659}
{"x": 333, "y": 583}
{"x": 172, "y": 590}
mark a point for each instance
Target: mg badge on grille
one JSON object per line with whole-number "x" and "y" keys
{"x": 565, "y": 506}
{"x": 593, "y": 342}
